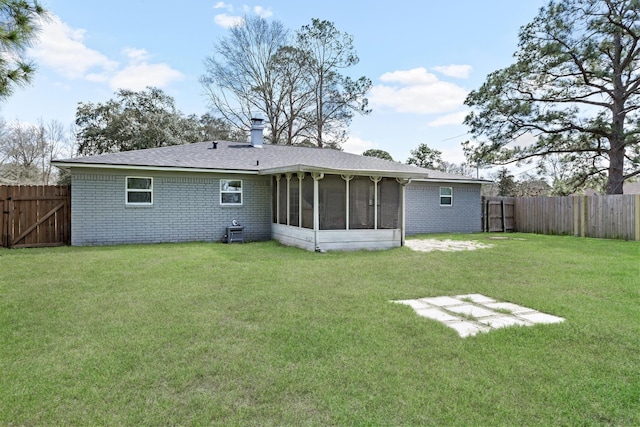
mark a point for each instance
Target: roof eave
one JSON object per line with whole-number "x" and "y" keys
{"x": 333, "y": 171}
{"x": 69, "y": 165}
{"x": 462, "y": 180}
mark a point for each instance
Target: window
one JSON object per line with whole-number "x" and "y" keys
{"x": 139, "y": 191}
{"x": 446, "y": 196}
{"x": 230, "y": 192}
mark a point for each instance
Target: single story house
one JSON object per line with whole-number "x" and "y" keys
{"x": 316, "y": 199}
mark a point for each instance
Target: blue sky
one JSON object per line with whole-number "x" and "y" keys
{"x": 422, "y": 56}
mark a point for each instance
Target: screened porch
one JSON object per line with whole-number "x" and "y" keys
{"x": 321, "y": 211}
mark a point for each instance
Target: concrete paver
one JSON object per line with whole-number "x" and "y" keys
{"x": 442, "y": 301}
{"x": 436, "y": 314}
{"x": 471, "y": 310}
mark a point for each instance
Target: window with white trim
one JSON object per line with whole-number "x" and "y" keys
{"x": 231, "y": 192}
{"x": 446, "y": 196}
{"x": 139, "y": 191}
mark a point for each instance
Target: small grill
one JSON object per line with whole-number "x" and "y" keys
{"x": 234, "y": 234}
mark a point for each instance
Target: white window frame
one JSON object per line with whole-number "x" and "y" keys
{"x": 450, "y": 196}
{"x": 226, "y": 191}
{"x": 137, "y": 190}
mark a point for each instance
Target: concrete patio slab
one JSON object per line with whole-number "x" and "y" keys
{"x": 472, "y": 314}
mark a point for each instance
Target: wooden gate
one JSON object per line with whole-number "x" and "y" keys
{"x": 498, "y": 214}
{"x": 35, "y": 216}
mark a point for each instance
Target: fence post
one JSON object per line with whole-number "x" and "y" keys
{"x": 576, "y": 216}
{"x": 10, "y": 208}
{"x": 636, "y": 214}
{"x": 583, "y": 215}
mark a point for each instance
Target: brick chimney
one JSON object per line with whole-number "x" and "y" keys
{"x": 257, "y": 137}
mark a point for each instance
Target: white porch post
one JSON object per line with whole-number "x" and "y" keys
{"x": 300, "y": 178}
{"x": 288, "y": 176}
{"x": 403, "y": 184}
{"x": 347, "y": 179}
{"x": 376, "y": 180}
{"x": 278, "y": 177}
{"x": 317, "y": 176}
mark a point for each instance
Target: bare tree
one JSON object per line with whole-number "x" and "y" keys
{"x": 297, "y": 85}
{"x": 26, "y": 151}
{"x": 55, "y": 145}
{"x": 239, "y": 79}
{"x": 337, "y": 97}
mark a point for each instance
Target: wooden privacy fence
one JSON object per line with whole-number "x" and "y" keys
{"x": 609, "y": 217}
{"x": 35, "y": 215}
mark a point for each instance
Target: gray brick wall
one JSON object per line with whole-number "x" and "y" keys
{"x": 425, "y": 215}
{"x": 186, "y": 207}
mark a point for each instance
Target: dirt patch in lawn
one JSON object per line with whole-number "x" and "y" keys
{"x": 428, "y": 245}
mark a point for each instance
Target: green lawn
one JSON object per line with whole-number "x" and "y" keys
{"x": 266, "y": 335}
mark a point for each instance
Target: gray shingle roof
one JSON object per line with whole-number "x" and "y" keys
{"x": 242, "y": 157}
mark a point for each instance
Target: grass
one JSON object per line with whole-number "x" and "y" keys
{"x": 266, "y": 335}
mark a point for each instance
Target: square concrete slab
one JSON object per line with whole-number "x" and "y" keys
{"x": 477, "y": 298}
{"x": 538, "y": 317}
{"x": 413, "y": 303}
{"x": 467, "y": 329}
{"x": 503, "y": 321}
{"x": 436, "y": 314}
{"x": 442, "y": 301}
{"x": 471, "y": 310}
{"x": 513, "y": 308}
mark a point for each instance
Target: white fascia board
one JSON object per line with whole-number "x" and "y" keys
{"x": 362, "y": 172}
{"x": 453, "y": 181}
{"x": 68, "y": 165}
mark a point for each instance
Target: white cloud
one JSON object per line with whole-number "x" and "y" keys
{"x": 228, "y": 21}
{"x": 140, "y": 74}
{"x": 136, "y": 55}
{"x": 449, "y": 119}
{"x": 262, "y": 12}
{"x": 357, "y": 145}
{"x": 63, "y": 49}
{"x": 223, "y": 5}
{"x": 457, "y": 71}
{"x": 417, "y": 91}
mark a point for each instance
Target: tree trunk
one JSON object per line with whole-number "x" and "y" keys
{"x": 616, "y": 172}
{"x": 617, "y": 137}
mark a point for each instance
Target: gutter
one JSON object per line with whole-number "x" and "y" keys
{"x": 68, "y": 165}
{"x": 454, "y": 181}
